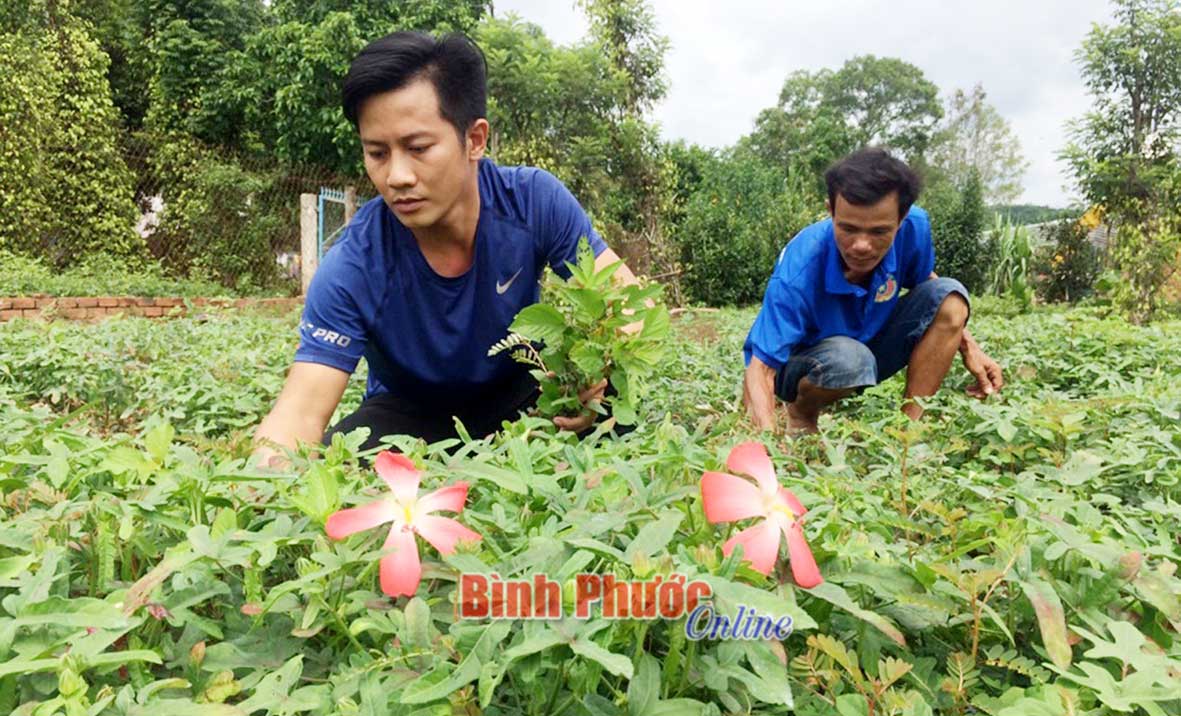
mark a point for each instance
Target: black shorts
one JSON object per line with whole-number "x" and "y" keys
{"x": 388, "y": 414}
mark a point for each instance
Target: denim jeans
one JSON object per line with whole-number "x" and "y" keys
{"x": 841, "y": 362}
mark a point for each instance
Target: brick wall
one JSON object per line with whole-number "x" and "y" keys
{"x": 99, "y": 307}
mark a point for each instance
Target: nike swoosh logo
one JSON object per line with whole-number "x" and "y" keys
{"x": 502, "y": 287}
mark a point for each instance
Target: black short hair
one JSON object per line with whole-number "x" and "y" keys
{"x": 453, "y": 63}
{"x": 866, "y": 176}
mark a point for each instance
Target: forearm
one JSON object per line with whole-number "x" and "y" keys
{"x": 759, "y": 393}
{"x": 967, "y": 342}
{"x": 284, "y": 429}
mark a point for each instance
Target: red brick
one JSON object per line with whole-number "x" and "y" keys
{"x": 10, "y": 313}
{"x": 24, "y": 303}
{"x": 154, "y": 311}
{"x": 87, "y": 302}
{"x": 126, "y": 301}
{"x": 5, "y": 304}
{"x": 67, "y": 303}
{"x": 108, "y": 302}
{"x": 73, "y": 314}
{"x": 143, "y": 301}
{"x": 34, "y": 314}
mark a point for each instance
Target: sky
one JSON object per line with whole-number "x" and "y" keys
{"x": 727, "y": 60}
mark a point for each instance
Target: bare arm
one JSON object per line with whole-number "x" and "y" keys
{"x": 305, "y": 405}
{"x": 986, "y": 371}
{"x": 758, "y": 393}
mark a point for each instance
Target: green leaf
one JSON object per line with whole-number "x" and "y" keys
{"x": 617, "y": 664}
{"x": 835, "y": 595}
{"x": 539, "y": 322}
{"x": 1050, "y": 619}
{"x": 643, "y": 691}
{"x": 654, "y": 536}
{"x": 158, "y": 441}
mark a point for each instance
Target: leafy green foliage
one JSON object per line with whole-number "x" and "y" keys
{"x": 823, "y": 115}
{"x": 96, "y": 275}
{"x": 145, "y": 568}
{"x": 974, "y": 137}
{"x": 66, "y": 189}
{"x": 581, "y": 329}
{"x": 735, "y": 224}
{"x": 957, "y": 230}
{"x": 1123, "y": 153}
{"x": 216, "y": 222}
{"x": 1010, "y": 271}
{"x": 1068, "y": 265}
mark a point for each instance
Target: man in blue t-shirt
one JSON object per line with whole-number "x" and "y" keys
{"x": 430, "y": 274}
{"x": 833, "y": 319}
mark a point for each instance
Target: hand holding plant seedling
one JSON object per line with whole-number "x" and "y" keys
{"x": 584, "y": 345}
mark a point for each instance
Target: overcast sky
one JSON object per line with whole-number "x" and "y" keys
{"x": 728, "y": 60}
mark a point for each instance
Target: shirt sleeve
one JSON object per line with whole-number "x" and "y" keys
{"x": 922, "y": 261}
{"x": 332, "y": 330}
{"x": 563, "y": 223}
{"x": 779, "y": 327}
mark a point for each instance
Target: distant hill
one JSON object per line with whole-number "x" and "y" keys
{"x": 1032, "y": 213}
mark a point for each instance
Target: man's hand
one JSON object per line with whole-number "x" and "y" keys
{"x": 302, "y": 411}
{"x": 758, "y": 393}
{"x": 985, "y": 370}
{"x": 584, "y": 421}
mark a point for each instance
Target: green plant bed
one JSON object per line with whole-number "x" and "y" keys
{"x": 105, "y": 276}
{"x": 1010, "y": 557}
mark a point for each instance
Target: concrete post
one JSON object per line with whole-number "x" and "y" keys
{"x": 308, "y": 250}
{"x": 350, "y": 203}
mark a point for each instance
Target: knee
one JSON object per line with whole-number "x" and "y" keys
{"x": 952, "y": 314}
{"x": 844, "y": 355}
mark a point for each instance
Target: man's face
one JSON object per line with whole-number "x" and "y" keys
{"x": 413, "y": 156}
{"x": 864, "y": 233}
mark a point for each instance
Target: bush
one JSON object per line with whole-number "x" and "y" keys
{"x": 734, "y": 226}
{"x": 217, "y": 222}
{"x": 1146, "y": 249}
{"x": 66, "y": 190}
{"x": 1068, "y": 266}
{"x": 957, "y": 228}
{"x": 95, "y": 275}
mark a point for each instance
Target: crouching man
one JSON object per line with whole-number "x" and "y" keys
{"x": 833, "y": 322}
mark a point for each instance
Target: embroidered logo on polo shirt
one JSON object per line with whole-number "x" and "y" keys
{"x": 502, "y": 287}
{"x": 887, "y": 290}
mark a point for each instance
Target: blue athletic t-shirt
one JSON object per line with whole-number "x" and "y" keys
{"x": 427, "y": 336}
{"x": 808, "y": 298}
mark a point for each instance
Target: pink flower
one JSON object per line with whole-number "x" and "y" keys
{"x": 727, "y": 498}
{"x": 400, "y": 569}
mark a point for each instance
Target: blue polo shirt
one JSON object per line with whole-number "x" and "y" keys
{"x": 427, "y": 336}
{"x": 808, "y": 298}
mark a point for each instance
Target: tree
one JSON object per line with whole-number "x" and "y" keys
{"x": 974, "y": 137}
{"x": 626, "y": 29}
{"x": 66, "y": 191}
{"x": 1133, "y": 73}
{"x": 824, "y": 115}
{"x": 1123, "y": 154}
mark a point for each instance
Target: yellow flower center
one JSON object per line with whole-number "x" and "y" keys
{"x": 778, "y": 506}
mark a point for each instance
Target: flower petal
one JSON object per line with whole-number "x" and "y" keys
{"x": 760, "y": 545}
{"x": 400, "y": 474}
{"x": 450, "y": 498}
{"x": 789, "y": 498}
{"x": 400, "y": 569}
{"x": 803, "y": 564}
{"x": 751, "y": 458}
{"x": 442, "y": 532}
{"x": 343, "y": 523}
{"x": 727, "y": 498}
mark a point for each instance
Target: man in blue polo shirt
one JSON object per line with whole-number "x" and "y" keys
{"x": 430, "y": 274}
{"x": 834, "y": 319}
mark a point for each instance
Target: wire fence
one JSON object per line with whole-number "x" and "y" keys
{"x": 226, "y": 216}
